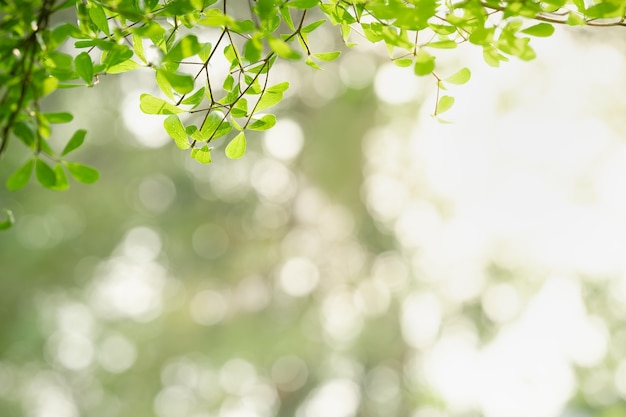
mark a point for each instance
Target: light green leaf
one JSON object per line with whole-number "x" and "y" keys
{"x": 174, "y": 127}
{"x": 84, "y": 67}
{"x": 303, "y": 4}
{"x": 266, "y": 122}
{"x": 82, "y": 173}
{"x": 424, "y": 63}
{"x": 444, "y": 104}
{"x": 62, "y": 117}
{"x": 540, "y": 30}
{"x": 214, "y": 127}
{"x": 49, "y": 85}
{"x": 202, "y": 155}
{"x": 460, "y": 77}
{"x": 196, "y": 98}
{"x": 403, "y": 62}
{"x": 21, "y": 176}
{"x": 446, "y": 44}
{"x": 8, "y": 221}
{"x": 45, "y": 175}
{"x": 282, "y": 49}
{"x": 272, "y": 96}
{"x": 327, "y": 56}
{"x": 153, "y": 105}
{"x": 312, "y": 26}
{"x": 237, "y": 147}
{"x": 125, "y": 66}
{"x": 309, "y": 61}
{"x": 75, "y": 141}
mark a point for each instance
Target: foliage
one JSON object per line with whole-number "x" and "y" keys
{"x": 201, "y": 103}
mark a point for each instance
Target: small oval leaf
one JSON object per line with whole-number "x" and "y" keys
{"x": 237, "y": 147}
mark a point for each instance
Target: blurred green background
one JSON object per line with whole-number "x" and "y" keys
{"x": 361, "y": 259}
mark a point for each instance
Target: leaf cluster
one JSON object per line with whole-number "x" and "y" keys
{"x": 184, "y": 41}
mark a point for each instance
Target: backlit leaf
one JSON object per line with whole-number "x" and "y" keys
{"x": 266, "y": 122}
{"x": 176, "y": 130}
{"x": 237, "y": 147}
{"x": 153, "y": 105}
{"x": 444, "y": 104}
{"x": 82, "y": 173}
{"x": 460, "y": 77}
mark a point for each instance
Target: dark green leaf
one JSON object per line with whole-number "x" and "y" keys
{"x": 8, "y": 221}
{"x": 75, "y": 141}
{"x": 84, "y": 67}
{"x": 45, "y": 175}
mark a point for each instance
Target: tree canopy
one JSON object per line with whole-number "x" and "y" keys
{"x": 47, "y": 45}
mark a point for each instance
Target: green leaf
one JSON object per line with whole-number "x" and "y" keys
{"x": 174, "y": 127}
{"x": 21, "y": 176}
{"x": 540, "y": 30}
{"x": 424, "y": 63}
{"x": 403, "y": 62}
{"x": 75, "y": 141}
{"x": 202, "y": 155}
{"x": 303, "y": 4}
{"x": 272, "y": 96}
{"x": 186, "y": 47}
{"x": 327, "y": 56}
{"x": 214, "y": 127}
{"x": 8, "y": 221}
{"x": 312, "y": 26}
{"x": 205, "y": 51}
{"x": 62, "y": 117}
{"x": 196, "y": 98}
{"x": 444, "y": 104}
{"x": 96, "y": 13}
{"x": 153, "y": 105}
{"x": 237, "y": 147}
{"x": 282, "y": 49}
{"x": 164, "y": 84}
{"x": 84, "y": 67}
{"x": 266, "y": 122}
{"x": 45, "y": 175}
{"x": 82, "y": 173}
{"x": 447, "y": 44}
{"x": 309, "y": 61}
{"x": 460, "y": 77}
{"x": 125, "y": 66}
{"x": 60, "y": 183}
{"x": 182, "y": 84}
